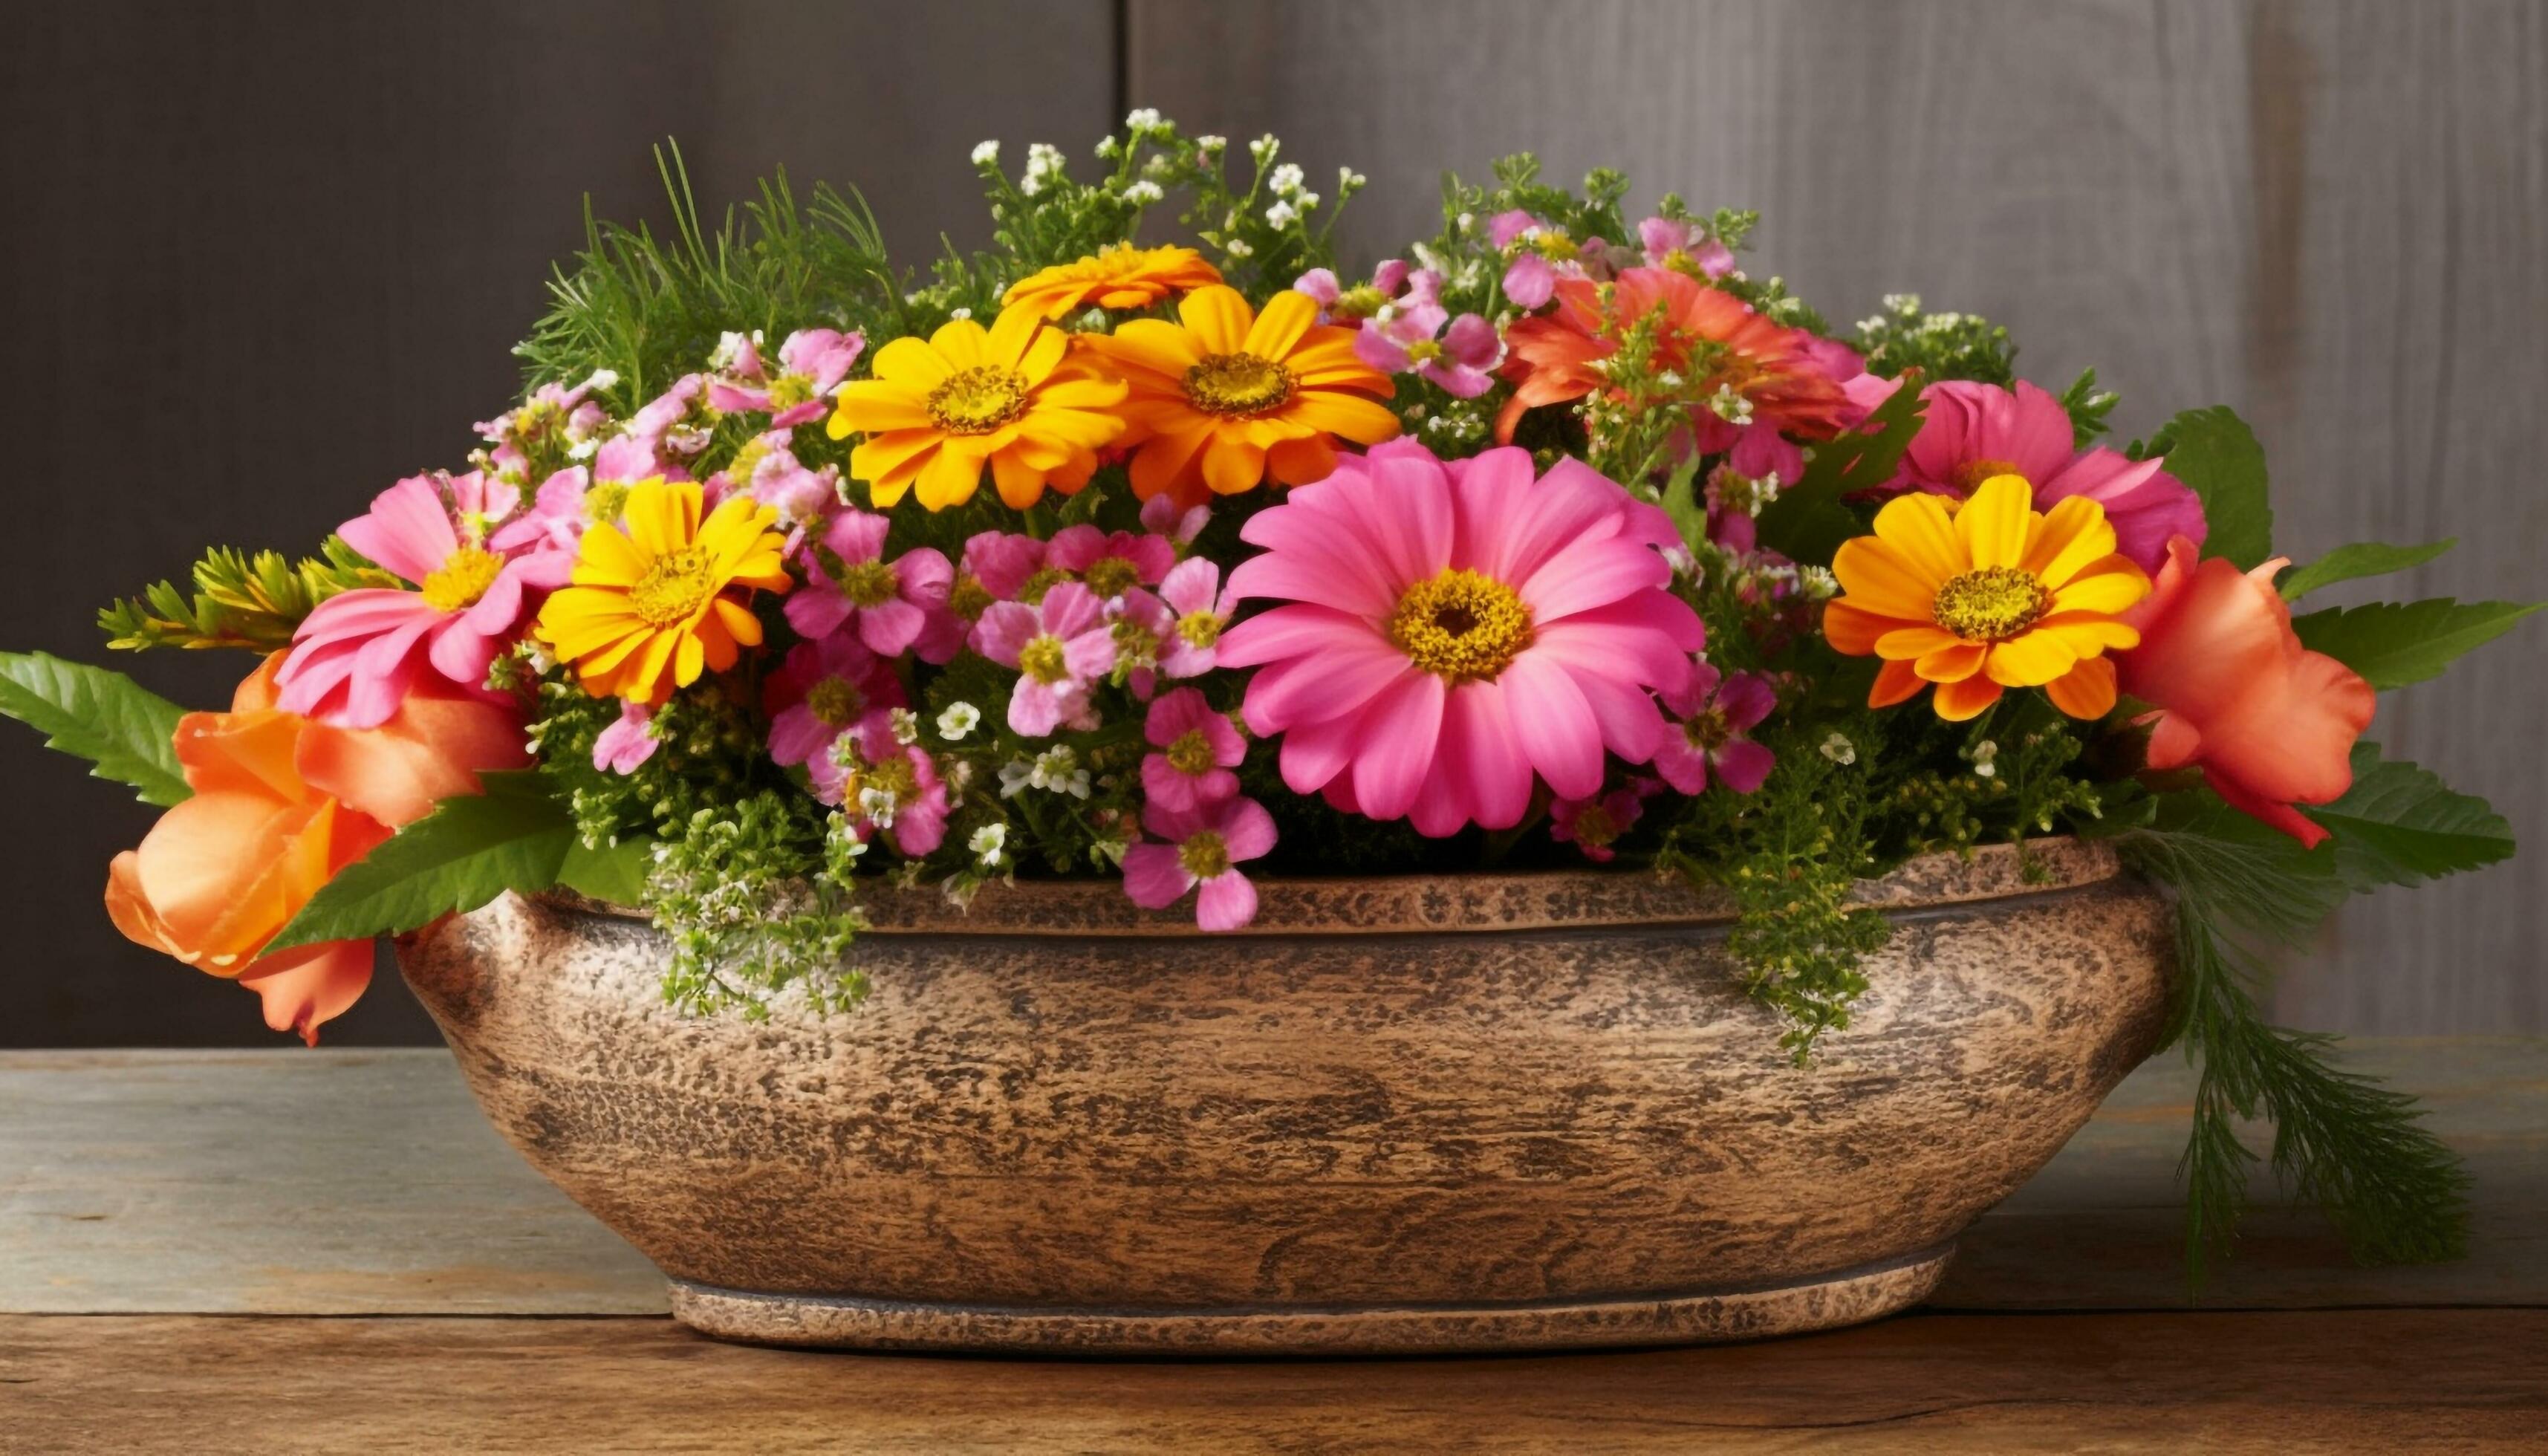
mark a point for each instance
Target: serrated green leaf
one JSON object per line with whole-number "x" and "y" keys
{"x": 124, "y": 729}
{"x": 2361, "y": 559}
{"x": 2400, "y": 825}
{"x": 1807, "y": 522}
{"x": 613, "y": 873}
{"x": 2395, "y": 643}
{"x": 471, "y": 848}
{"x": 2216, "y": 456}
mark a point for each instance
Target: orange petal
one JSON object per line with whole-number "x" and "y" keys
{"x": 1958, "y": 703}
{"x": 1219, "y": 316}
{"x": 305, "y": 988}
{"x": 1895, "y": 683}
{"x": 2087, "y": 690}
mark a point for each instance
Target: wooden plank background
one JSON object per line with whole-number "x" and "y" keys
{"x": 266, "y": 257}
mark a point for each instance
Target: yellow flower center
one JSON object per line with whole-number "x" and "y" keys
{"x": 1238, "y": 386}
{"x": 1968, "y": 477}
{"x": 605, "y": 502}
{"x": 1201, "y": 629}
{"x": 1990, "y": 604}
{"x": 465, "y": 576}
{"x": 835, "y": 704}
{"x": 1112, "y": 576}
{"x": 869, "y": 583}
{"x": 1357, "y": 302}
{"x": 1044, "y": 660}
{"x": 1191, "y": 754}
{"x": 1423, "y": 351}
{"x": 978, "y": 400}
{"x": 969, "y": 597}
{"x": 746, "y": 460}
{"x": 1205, "y": 855}
{"x": 1042, "y": 581}
{"x": 788, "y": 391}
{"x": 894, "y": 776}
{"x": 1554, "y": 246}
{"x": 1461, "y": 626}
{"x": 673, "y": 587}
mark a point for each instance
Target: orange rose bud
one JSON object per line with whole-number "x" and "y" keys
{"x": 2270, "y": 723}
{"x": 281, "y": 804}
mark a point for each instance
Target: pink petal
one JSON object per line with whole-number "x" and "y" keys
{"x": 1246, "y": 828}
{"x": 1742, "y": 764}
{"x": 1228, "y": 902}
{"x": 1324, "y": 684}
{"x": 1554, "y": 724}
{"x": 1153, "y": 877}
{"x": 1400, "y": 732}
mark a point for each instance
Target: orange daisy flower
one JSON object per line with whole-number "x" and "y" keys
{"x": 1228, "y": 395}
{"x": 1015, "y": 397}
{"x": 1987, "y": 596}
{"x": 1119, "y": 276}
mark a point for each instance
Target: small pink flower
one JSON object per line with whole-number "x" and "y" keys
{"x": 1458, "y": 361}
{"x": 1113, "y": 564}
{"x": 825, "y": 690}
{"x": 849, "y": 583}
{"x": 1199, "y": 614}
{"x": 1204, "y": 847}
{"x": 556, "y": 418}
{"x": 577, "y": 497}
{"x": 1143, "y": 627}
{"x": 897, "y": 791}
{"x": 356, "y": 656}
{"x": 1595, "y": 825}
{"x": 776, "y": 477}
{"x": 1058, "y": 649}
{"x": 1541, "y": 255}
{"x": 812, "y": 363}
{"x": 1197, "y": 749}
{"x": 996, "y": 567}
{"x": 627, "y": 743}
{"x": 1162, "y": 516}
{"x": 679, "y": 423}
{"x": 1685, "y": 247}
{"x": 1713, "y": 714}
{"x": 1341, "y": 304}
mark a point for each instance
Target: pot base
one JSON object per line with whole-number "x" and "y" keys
{"x": 1827, "y": 1301}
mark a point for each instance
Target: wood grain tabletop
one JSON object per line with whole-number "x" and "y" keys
{"x": 294, "y": 1251}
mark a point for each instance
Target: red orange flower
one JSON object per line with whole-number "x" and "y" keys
{"x": 2270, "y": 723}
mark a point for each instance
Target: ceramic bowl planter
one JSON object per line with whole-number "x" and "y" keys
{"x": 1394, "y": 1115}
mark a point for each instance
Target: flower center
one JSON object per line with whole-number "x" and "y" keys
{"x": 1968, "y": 477}
{"x": 1357, "y": 302}
{"x": 465, "y": 576}
{"x": 1135, "y": 647}
{"x": 969, "y": 597}
{"x": 673, "y": 587}
{"x": 1553, "y": 245}
{"x": 1425, "y": 351}
{"x": 893, "y": 777}
{"x": 978, "y": 400}
{"x": 834, "y": 701}
{"x": 1205, "y": 855}
{"x": 1991, "y": 605}
{"x": 1042, "y": 581}
{"x": 1594, "y": 827}
{"x": 1461, "y": 626}
{"x": 871, "y": 583}
{"x": 1044, "y": 660}
{"x": 788, "y": 391}
{"x": 606, "y": 501}
{"x": 1709, "y": 731}
{"x": 1112, "y": 576}
{"x": 746, "y": 461}
{"x": 1201, "y": 629}
{"x": 1191, "y": 754}
{"x": 1240, "y": 386}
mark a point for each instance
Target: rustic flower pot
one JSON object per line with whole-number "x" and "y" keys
{"x": 1393, "y": 1116}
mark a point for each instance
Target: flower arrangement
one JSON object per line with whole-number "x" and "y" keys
{"x": 1560, "y": 538}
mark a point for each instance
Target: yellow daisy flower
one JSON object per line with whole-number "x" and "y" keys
{"x": 1987, "y": 596}
{"x": 1228, "y": 395}
{"x": 651, "y": 608}
{"x": 1119, "y": 276}
{"x": 1016, "y": 397}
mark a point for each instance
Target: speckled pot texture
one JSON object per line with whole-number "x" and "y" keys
{"x": 1394, "y": 1115}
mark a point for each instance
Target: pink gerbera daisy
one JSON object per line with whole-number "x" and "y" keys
{"x": 1455, "y": 632}
{"x": 1197, "y": 749}
{"x": 1713, "y": 714}
{"x": 1058, "y": 648}
{"x": 355, "y": 657}
{"x": 1203, "y": 847}
{"x": 849, "y": 584}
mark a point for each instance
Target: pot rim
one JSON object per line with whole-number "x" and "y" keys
{"x": 1382, "y": 904}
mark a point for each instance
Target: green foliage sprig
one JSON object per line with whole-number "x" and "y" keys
{"x": 239, "y": 600}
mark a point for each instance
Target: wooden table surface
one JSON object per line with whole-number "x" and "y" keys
{"x": 288, "y": 1251}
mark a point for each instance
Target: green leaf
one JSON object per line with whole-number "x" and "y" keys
{"x": 127, "y": 731}
{"x": 614, "y": 873}
{"x": 2215, "y": 453}
{"x": 471, "y": 848}
{"x": 1807, "y": 522}
{"x": 2395, "y": 643}
{"x": 2361, "y": 559}
{"x": 2400, "y": 825}
{"x": 1682, "y": 502}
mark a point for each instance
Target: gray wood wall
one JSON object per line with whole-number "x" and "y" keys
{"x": 263, "y": 258}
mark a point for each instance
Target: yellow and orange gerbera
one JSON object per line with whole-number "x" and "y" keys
{"x": 1118, "y": 276}
{"x": 1988, "y": 596}
{"x": 1228, "y": 395}
{"x": 651, "y": 608}
{"x": 1015, "y": 397}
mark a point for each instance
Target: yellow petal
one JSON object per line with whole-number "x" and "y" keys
{"x": 2073, "y": 533}
{"x": 2086, "y": 691}
{"x": 1952, "y": 663}
{"x": 1994, "y": 524}
{"x": 1905, "y": 643}
{"x": 1918, "y": 527}
{"x": 874, "y": 406}
{"x": 1287, "y": 316}
{"x": 913, "y": 364}
{"x": 2089, "y": 634}
{"x": 2029, "y": 660}
{"x": 1854, "y": 630}
{"x": 962, "y": 343}
{"x": 1018, "y": 328}
{"x": 1958, "y": 703}
{"x": 1879, "y": 579}
{"x": 1219, "y": 316}
{"x": 2107, "y": 587}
